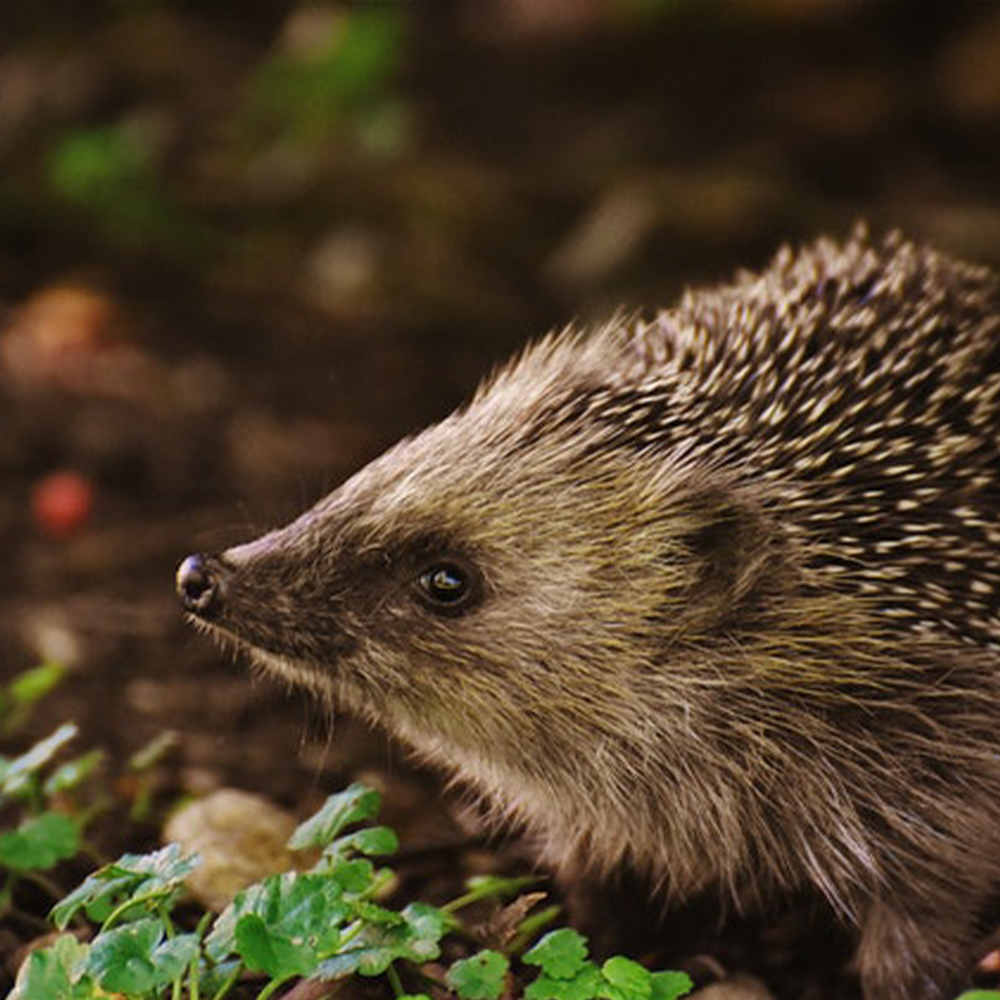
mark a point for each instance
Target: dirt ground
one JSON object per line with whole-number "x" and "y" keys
{"x": 228, "y": 279}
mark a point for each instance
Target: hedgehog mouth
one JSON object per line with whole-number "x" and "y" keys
{"x": 295, "y": 671}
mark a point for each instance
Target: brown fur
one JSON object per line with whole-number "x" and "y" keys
{"x": 735, "y": 614}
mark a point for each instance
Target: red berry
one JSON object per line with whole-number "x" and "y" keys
{"x": 61, "y": 503}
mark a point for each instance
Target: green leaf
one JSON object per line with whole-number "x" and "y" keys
{"x": 18, "y": 774}
{"x": 560, "y": 953}
{"x": 980, "y": 995}
{"x": 625, "y": 980}
{"x": 671, "y": 985}
{"x": 153, "y": 877}
{"x": 135, "y": 959}
{"x": 20, "y": 696}
{"x": 379, "y": 916}
{"x": 374, "y": 840}
{"x": 340, "y": 966}
{"x": 284, "y": 925}
{"x": 97, "y": 894}
{"x": 212, "y": 976}
{"x": 34, "y": 684}
{"x": 353, "y": 805}
{"x": 480, "y": 977}
{"x": 427, "y": 925}
{"x": 264, "y": 951}
{"x": 414, "y": 936}
{"x": 355, "y": 877}
{"x": 586, "y": 984}
{"x": 72, "y": 773}
{"x": 55, "y": 973}
{"x": 40, "y": 843}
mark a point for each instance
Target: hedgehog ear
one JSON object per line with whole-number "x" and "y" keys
{"x": 736, "y": 551}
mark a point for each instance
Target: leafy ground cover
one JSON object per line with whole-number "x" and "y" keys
{"x": 244, "y": 247}
{"x": 120, "y": 932}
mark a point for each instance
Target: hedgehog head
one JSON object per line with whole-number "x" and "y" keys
{"x": 451, "y": 587}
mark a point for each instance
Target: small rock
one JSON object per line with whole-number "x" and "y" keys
{"x": 737, "y": 988}
{"x": 240, "y": 838}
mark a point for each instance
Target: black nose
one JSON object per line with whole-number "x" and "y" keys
{"x": 200, "y": 585}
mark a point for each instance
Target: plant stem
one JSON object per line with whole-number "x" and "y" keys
{"x": 273, "y": 985}
{"x": 229, "y": 983}
{"x": 490, "y": 888}
{"x": 392, "y": 974}
{"x": 128, "y": 904}
{"x": 163, "y": 912}
{"x": 194, "y": 985}
{"x": 530, "y": 926}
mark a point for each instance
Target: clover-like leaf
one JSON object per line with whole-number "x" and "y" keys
{"x": 413, "y": 934}
{"x": 353, "y": 805}
{"x": 283, "y": 926}
{"x": 40, "y": 842}
{"x": 560, "y": 953}
{"x": 356, "y": 877}
{"x": 275, "y": 954}
{"x": 72, "y": 773}
{"x": 137, "y": 958}
{"x": 585, "y": 984}
{"x": 671, "y": 985}
{"x": 146, "y": 878}
{"x": 373, "y": 840}
{"x": 625, "y": 980}
{"x": 19, "y": 772}
{"x": 479, "y": 977}
{"x": 55, "y": 973}
{"x": 18, "y": 698}
{"x": 427, "y": 925}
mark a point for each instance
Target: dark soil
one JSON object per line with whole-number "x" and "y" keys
{"x": 222, "y": 294}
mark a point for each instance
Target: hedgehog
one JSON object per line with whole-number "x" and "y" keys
{"x": 711, "y": 595}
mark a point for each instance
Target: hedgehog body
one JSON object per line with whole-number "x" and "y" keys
{"x": 714, "y": 597}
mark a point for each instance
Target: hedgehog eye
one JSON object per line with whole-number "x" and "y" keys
{"x": 445, "y": 583}
{"x": 446, "y": 587}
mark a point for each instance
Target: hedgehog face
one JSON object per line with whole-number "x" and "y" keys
{"x": 463, "y": 591}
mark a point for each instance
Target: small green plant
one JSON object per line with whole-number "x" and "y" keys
{"x": 325, "y": 923}
{"x": 566, "y": 973}
{"x": 30, "y": 786}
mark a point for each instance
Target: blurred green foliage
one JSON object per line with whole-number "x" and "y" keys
{"x": 329, "y": 81}
{"x": 338, "y": 85}
{"x": 109, "y": 174}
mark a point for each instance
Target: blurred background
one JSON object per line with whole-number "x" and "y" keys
{"x": 246, "y": 246}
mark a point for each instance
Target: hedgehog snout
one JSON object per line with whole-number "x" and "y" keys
{"x": 201, "y": 585}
